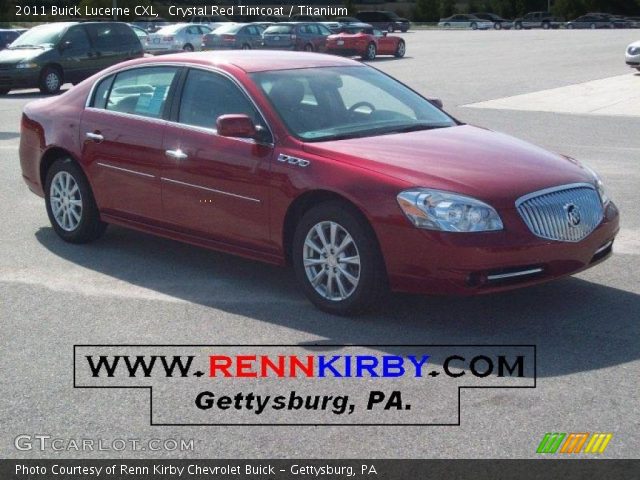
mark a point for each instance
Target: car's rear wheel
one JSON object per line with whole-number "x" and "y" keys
{"x": 188, "y": 48}
{"x": 592, "y": 26}
{"x": 337, "y": 260}
{"x": 497, "y": 26}
{"x": 474, "y": 26}
{"x": 370, "y": 52}
{"x": 518, "y": 26}
{"x": 391, "y": 28}
{"x": 50, "y": 80}
{"x": 246, "y": 46}
{"x": 71, "y": 208}
{"x": 401, "y": 49}
{"x": 308, "y": 47}
{"x": 546, "y": 25}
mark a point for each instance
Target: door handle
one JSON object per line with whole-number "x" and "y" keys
{"x": 177, "y": 154}
{"x": 96, "y": 137}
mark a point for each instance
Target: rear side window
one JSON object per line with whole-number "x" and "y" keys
{"x": 101, "y": 93}
{"x": 141, "y": 91}
{"x": 77, "y": 40}
{"x": 102, "y": 35}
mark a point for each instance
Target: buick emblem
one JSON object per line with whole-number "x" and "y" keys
{"x": 573, "y": 214}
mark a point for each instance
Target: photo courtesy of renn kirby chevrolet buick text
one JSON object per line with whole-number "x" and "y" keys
{"x": 320, "y": 162}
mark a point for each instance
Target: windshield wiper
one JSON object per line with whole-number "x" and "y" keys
{"x": 413, "y": 128}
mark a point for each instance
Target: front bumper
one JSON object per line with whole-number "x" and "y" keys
{"x": 633, "y": 60}
{"x": 19, "y": 78}
{"x": 428, "y": 262}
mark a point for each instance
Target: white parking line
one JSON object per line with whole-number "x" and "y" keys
{"x": 618, "y": 96}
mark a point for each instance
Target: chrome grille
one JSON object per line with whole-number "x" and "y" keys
{"x": 568, "y": 213}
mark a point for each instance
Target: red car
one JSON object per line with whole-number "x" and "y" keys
{"x": 365, "y": 41}
{"x": 317, "y": 161}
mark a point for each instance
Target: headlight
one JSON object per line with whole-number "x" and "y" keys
{"x": 604, "y": 198}
{"x": 27, "y": 65}
{"x": 449, "y": 212}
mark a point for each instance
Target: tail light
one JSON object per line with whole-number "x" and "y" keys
{"x": 227, "y": 38}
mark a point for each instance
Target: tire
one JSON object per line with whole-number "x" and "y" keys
{"x": 246, "y": 46}
{"x": 341, "y": 295}
{"x": 401, "y": 49}
{"x": 188, "y": 48}
{"x": 474, "y": 26}
{"x": 518, "y": 26}
{"x": 497, "y": 26}
{"x": 391, "y": 28}
{"x": 84, "y": 225}
{"x": 546, "y": 26}
{"x": 4, "y": 91}
{"x": 50, "y": 80}
{"x": 370, "y": 53}
{"x": 570, "y": 26}
{"x": 592, "y": 26}
{"x": 308, "y": 48}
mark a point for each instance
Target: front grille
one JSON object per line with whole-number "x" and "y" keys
{"x": 567, "y": 214}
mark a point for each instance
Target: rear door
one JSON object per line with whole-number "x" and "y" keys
{"x": 213, "y": 186}
{"x": 121, "y": 132}
{"x": 105, "y": 44}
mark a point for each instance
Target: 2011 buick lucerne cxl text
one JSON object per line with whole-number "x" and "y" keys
{"x": 357, "y": 181}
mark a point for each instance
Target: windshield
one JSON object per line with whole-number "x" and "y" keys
{"x": 333, "y": 103}
{"x": 40, "y": 36}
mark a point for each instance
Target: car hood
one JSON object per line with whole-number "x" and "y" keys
{"x": 473, "y": 161}
{"x": 19, "y": 54}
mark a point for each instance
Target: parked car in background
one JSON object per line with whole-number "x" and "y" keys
{"x": 590, "y": 21}
{"x": 320, "y": 162}
{"x": 151, "y": 24}
{"x": 544, "y": 20}
{"x": 633, "y": 55}
{"x": 365, "y": 41}
{"x": 311, "y": 37}
{"x": 211, "y": 21}
{"x": 334, "y": 26}
{"x": 634, "y": 22}
{"x": 384, "y": 20}
{"x": 465, "y": 21}
{"x": 499, "y": 23}
{"x": 7, "y": 36}
{"x": 48, "y": 55}
{"x": 244, "y": 36}
{"x": 347, "y": 20}
{"x": 177, "y": 37}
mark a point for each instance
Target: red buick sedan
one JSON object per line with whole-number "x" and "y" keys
{"x": 357, "y": 181}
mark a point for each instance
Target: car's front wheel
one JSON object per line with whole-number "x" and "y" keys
{"x": 337, "y": 260}
{"x": 401, "y": 49}
{"x": 70, "y": 204}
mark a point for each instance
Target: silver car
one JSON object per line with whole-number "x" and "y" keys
{"x": 465, "y": 21}
{"x": 633, "y": 55}
{"x": 243, "y": 36}
{"x": 179, "y": 37}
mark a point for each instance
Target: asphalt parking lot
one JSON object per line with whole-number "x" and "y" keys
{"x": 134, "y": 288}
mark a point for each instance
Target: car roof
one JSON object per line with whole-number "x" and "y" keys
{"x": 252, "y": 60}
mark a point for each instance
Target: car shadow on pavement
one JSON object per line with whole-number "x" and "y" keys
{"x": 577, "y": 325}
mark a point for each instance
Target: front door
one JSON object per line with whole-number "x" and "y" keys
{"x": 216, "y": 186}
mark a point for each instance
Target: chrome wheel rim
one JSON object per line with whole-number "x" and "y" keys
{"x": 401, "y": 49}
{"x": 371, "y": 53}
{"x": 331, "y": 261}
{"x": 52, "y": 81}
{"x": 66, "y": 201}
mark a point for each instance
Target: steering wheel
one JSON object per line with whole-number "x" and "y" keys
{"x": 357, "y": 105}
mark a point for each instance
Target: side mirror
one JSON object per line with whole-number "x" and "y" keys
{"x": 437, "y": 102}
{"x": 235, "y": 125}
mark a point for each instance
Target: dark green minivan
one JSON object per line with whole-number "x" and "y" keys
{"x": 49, "y": 55}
